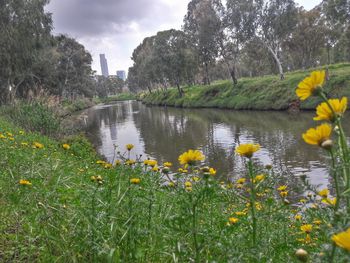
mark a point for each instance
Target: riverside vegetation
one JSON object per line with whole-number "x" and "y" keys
{"x": 60, "y": 203}
{"x": 260, "y": 93}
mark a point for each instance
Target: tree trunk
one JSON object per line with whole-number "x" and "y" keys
{"x": 277, "y": 60}
{"x": 179, "y": 89}
{"x": 149, "y": 89}
{"x": 207, "y": 79}
{"x": 233, "y": 75}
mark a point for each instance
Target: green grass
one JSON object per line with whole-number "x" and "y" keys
{"x": 262, "y": 93}
{"x": 64, "y": 216}
{"x": 119, "y": 97}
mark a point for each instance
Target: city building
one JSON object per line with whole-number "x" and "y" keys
{"x": 104, "y": 65}
{"x": 121, "y": 74}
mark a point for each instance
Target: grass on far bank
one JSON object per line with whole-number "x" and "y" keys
{"x": 118, "y": 97}
{"x": 260, "y": 93}
{"x": 72, "y": 207}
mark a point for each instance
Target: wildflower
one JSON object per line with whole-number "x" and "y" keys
{"x": 191, "y": 157}
{"x": 342, "y": 239}
{"x": 239, "y": 213}
{"x": 24, "y": 143}
{"x": 129, "y": 147}
{"x": 155, "y": 169}
{"x": 247, "y": 150}
{"x": 205, "y": 169}
{"x": 241, "y": 181}
{"x": 130, "y": 162}
{"x": 66, "y": 146}
{"x": 319, "y": 135}
{"x": 99, "y": 178}
{"x": 117, "y": 163}
{"x": 298, "y": 217}
{"x": 284, "y": 194}
{"x": 38, "y": 145}
{"x": 196, "y": 179}
{"x": 2, "y": 136}
{"x": 310, "y": 85}
{"x": 9, "y": 134}
{"x": 24, "y": 182}
{"x": 233, "y": 220}
{"x": 324, "y": 193}
{"x": 212, "y": 171}
{"x": 303, "y": 201}
{"x": 135, "y": 180}
{"x": 21, "y": 132}
{"x": 302, "y": 255}
{"x": 329, "y": 201}
{"x": 180, "y": 170}
{"x": 282, "y": 188}
{"x": 166, "y": 170}
{"x": 307, "y": 228}
{"x": 317, "y": 222}
{"x": 100, "y": 162}
{"x": 107, "y": 165}
{"x": 188, "y": 184}
{"x": 167, "y": 164}
{"x": 258, "y": 206}
{"x": 171, "y": 184}
{"x": 259, "y": 178}
{"x": 324, "y": 112}
{"x": 93, "y": 178}
{"x": 152, "y": 163}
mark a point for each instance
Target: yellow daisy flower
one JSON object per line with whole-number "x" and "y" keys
{"x": 247, "y": 149}
{"x": 191, "y": 157}
{"x": 342, "y": 239}
{"x": 311, "y": 84}
{"x": 135, "y": 180}
{"x": 129, "y": 147}
{"x": 324, "y": 112}
{"x": 318, "y": 135}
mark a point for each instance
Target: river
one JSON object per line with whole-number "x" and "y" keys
{"x": 164, "y": 133}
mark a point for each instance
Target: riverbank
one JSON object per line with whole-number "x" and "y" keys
{"x": 263, "y": 93}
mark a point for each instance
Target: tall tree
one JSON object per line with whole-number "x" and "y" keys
{"x": 277, "y": 21}
{"x": 203, "y": 26}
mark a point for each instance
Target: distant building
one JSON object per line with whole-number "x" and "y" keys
{"x": 121, "y": 74}
{"x": 104, "y": 65}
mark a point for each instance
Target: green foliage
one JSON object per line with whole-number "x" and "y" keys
{"x": 263, "y": 93}
{"x": 33, "y": 116}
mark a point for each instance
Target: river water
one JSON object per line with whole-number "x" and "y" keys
{"x": 164, "y": 133}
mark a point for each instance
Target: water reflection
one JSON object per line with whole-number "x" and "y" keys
{"x": 164, "y": 133}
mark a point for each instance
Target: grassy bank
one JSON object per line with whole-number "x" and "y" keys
{"x": 263, "y": 93}
{"x": 60, "y": 203}
{"x": 119, "y": 97}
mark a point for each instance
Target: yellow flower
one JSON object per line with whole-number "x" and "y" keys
{"x": 212, "y": 171}
{"x": 21, "y": 132}
{"x": 188, "y": 184}
{"x": 9, "y": 134}
{"x": 342, "y": 239}
{"x": 325, "y": 113}
{"x": 152, "y": 163}
{"x": 171, "y": 184}
{"x": 38, "y": 145}
{"x": 284, "y": 194}
{"x": 100, "y": 162}
{"x": 298, "y": 217}
{"x": 233, "y": 220}
{"x": 66, "y": 146}
{"x": 196, "y": 178}
{"x": 155, "y": 168}
{"x": 180, "y": 170}
{"x": 241, "y": 181}
{"x": 247, "y": 150}
{"x": 307, "y": 228}
{"x": 319, "y": 135}
{"x": 259, "y": 178}
{"x": 191, "y": 157}
{"x": 129, "y": 147}
{"x": 135, "y": 180}
{"x": 108, "y": 165}
{"x": 330, "y": 201}
{"x": 239, "y": 213}
{"x": 310, "y": 84}
{"x": 24, "y": 182}
{"x": 324, "y": 193}
{"x": 2, "y": 136}
{"x": 317, "y": 222}
{"x": 167, "y": 164}
{"x": 130, "y": 162}
{"x": 24, "y": 143}
{"x": 282, "y": 188}
{"x": 117, "y": 163}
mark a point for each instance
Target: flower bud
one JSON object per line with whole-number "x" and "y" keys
{"x": 205, "y": 169}
{"x": 166, "y": 170}
{"x": 302, "y": 255}
{"x": 327, "y": 144}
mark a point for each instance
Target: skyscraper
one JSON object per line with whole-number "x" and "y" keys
{"x": 121, "y": 74}
{"x": 104, "y": 65}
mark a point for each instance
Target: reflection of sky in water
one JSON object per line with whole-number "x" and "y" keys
{"x": 164, "y": 133}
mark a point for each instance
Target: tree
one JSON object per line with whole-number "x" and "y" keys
{"x": 203, "y": 26}
{"x": 277, "y": 21}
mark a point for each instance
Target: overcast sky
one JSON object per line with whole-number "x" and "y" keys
{"x": 116, "y": 27}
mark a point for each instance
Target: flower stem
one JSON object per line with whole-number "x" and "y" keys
{"x": 252, "y": 200}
